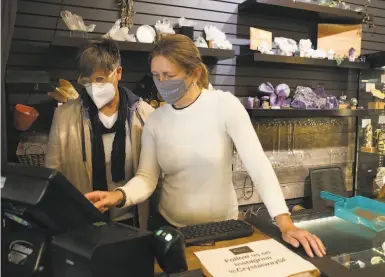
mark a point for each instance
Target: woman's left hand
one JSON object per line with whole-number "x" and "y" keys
{"x": 297, "y": 236}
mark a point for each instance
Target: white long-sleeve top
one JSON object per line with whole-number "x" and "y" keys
{"x": 193, "y": 147}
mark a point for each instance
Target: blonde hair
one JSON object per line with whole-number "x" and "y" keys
{"x": 182, "y": 51}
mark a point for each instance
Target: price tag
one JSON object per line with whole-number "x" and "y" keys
{"x": 369, "y": 86}
{"x": 381, "y": 119}
{"x": 366, "y": 122}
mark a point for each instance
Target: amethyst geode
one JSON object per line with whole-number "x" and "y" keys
{"x": 266, "y": 88}
{"x": 306, "y": 98}
{"x": 331, "y": 103}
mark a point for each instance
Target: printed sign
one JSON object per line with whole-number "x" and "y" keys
{"x": 260, "y": 258}
{"x": 366, "y": 122}
{"x": 369, "y": 87}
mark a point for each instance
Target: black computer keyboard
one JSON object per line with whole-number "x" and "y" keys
{"x": 215, "y": 231}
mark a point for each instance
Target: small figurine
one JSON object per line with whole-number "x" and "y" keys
{"x": 368, "y": 136}
{"x": 250, "y": 103}
{"x": 354, "y": 265}
{"x": 265, "y": 102}
{"x": 381, "y": 142}
{"x": 380, "y": 180}
{"x": 343, "y": 97}
{"x": 376, "y": 260}
{"x": 353, "y": 103}
{"x": 257, "y": 103}
{"x": 352, "y": 54}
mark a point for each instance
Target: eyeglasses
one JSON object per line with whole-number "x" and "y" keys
{"x": 87, "y": 81}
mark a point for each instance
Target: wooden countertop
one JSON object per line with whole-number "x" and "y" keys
{"x": 194, "y": 263}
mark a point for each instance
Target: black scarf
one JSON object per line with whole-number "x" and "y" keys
{"x": 118, "y": 153}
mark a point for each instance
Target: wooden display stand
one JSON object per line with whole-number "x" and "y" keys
{"x": 368, "y": 149}
{"x": 343, "y": 106}
{"x": 376, "y": 105}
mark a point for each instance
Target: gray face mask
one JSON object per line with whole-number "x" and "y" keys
{"x": 172, "y": 90}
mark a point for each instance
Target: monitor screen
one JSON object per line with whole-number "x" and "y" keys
{"x": 44, "y": 198}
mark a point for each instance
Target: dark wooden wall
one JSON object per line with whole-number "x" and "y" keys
{"x": 38, "y": 21}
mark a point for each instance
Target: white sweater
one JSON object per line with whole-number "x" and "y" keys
{"x": 193, "y": 147}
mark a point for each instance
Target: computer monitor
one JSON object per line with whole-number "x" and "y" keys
{"x": 44, "y": 198}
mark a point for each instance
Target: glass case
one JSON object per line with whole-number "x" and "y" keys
{"x": 351, "y": 249}
{"x": 370, "y": 167}
{"x": 362, "y": 259}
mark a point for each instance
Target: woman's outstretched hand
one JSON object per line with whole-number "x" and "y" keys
{"x": 297, "y": 236}
{"x": 104, "y": 200}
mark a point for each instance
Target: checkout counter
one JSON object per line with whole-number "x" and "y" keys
{"x": 63, "y": 235}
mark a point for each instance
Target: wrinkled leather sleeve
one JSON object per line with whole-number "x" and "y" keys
{"x": 53, "y": 156}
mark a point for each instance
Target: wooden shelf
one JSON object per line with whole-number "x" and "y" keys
{"x": 218, "y": 54}
{"x": 301, "y": 10}
{"x": 369, "y": 150}
{"x": 264, "y": 58}
{"x": 310, "y": 113}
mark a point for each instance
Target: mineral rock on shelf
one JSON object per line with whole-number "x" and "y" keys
{"x": 305, "y": 98}
{"x": 331, "y": 103}
{"x": 273, "y": 99}
{"x": 283, "y": 88}
{"x": 257, "y": 103}
{"x": 281, "y": 98}
{"x": 266, "y": 88}
{"x": 320, "y": 91}
{"x": 286, "y": 46}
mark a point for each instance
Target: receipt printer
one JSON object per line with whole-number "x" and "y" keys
{"x": 103, "y": 249}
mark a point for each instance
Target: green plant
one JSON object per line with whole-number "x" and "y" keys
{"x": 339, "y": 59}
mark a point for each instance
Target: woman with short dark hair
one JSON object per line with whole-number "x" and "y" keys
{"x": 95, "y": 140}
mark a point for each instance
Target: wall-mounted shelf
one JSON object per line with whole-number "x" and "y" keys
{"x": 218, "y": 54}
{"x": 311, "y": 113}
{"x": 301, "y": 10}
{"x": 264, "y": 58}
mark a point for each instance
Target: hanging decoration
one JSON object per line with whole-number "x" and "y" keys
{"x": 127, "y": 13}
{"x": 367, "y": 21}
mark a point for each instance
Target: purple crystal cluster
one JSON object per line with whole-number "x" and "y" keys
{"x": 278, "y": 96}
{"x": 306, "y": 98}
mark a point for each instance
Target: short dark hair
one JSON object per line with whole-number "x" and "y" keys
{"x": 98, "y": 54}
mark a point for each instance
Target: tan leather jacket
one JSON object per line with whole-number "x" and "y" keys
{"x": 67, "y": 150}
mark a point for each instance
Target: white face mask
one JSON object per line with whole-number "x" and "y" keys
{"x": 101, "y": 94}
{"x": 108, "y": 121}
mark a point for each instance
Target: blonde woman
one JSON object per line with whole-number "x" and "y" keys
{"x": 190, "y": 140}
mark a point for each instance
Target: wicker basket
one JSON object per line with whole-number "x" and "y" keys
{"x": 31, "y": 155}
